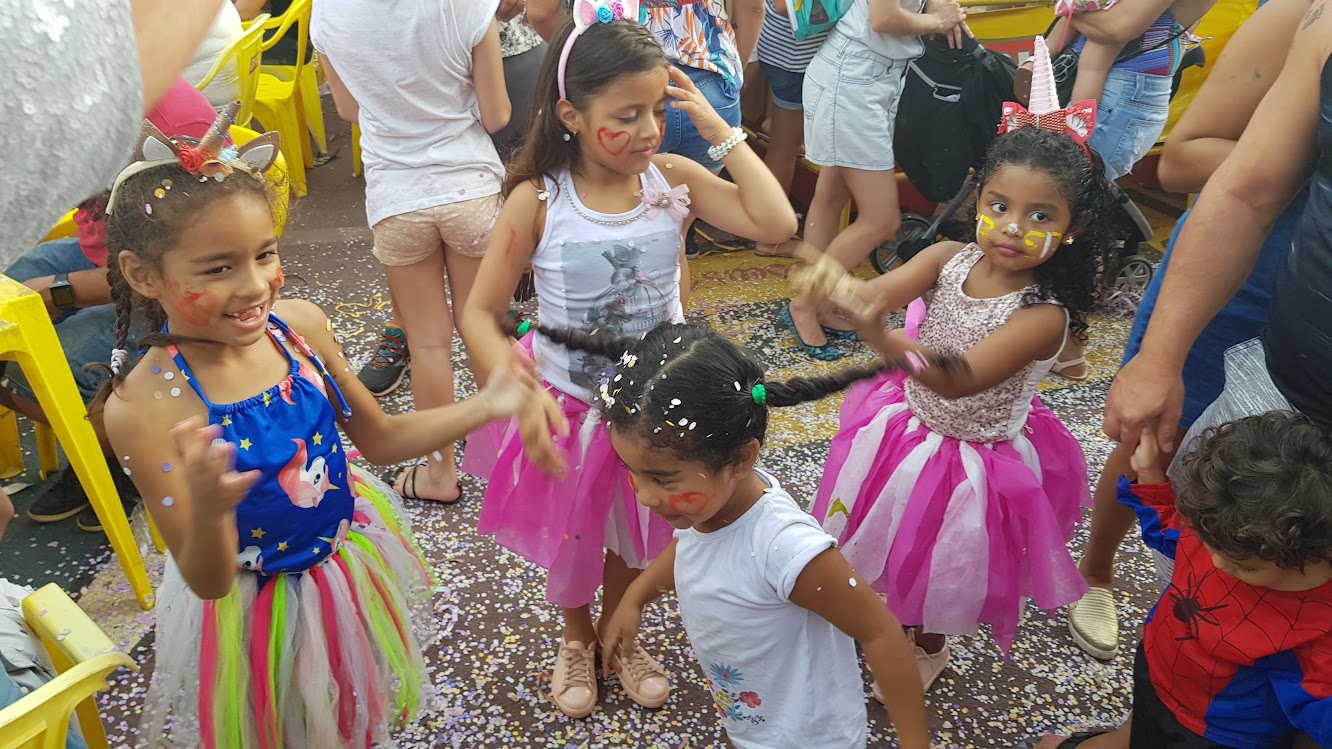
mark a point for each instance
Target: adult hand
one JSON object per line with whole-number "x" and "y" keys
{"x": 688, "y": 99}
{"x": 510, "y": 9}
{"x": 1147, "y": 394}
{"x": 952, "y": 19}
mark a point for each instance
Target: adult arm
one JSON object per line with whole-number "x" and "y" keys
{"x": 492, "y": 96}
{"x": 348, "y": 109}
{"x": 889, "y": 17}
{"x": 1121, "y": 23}
{"x": 91, "y": 289}
{"x": 546, "y": 16}
{"x": 1216, "y": 118}
{"x": 747, "y": 18}
{"x": 1220, "y": 243}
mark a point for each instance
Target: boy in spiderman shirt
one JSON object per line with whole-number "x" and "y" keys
{"x": 1238, "y": 652}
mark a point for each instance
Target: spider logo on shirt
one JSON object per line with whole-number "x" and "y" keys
{"x": 1186, "y": 607}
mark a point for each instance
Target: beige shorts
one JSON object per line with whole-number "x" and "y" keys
{"x": 464, "y": 227}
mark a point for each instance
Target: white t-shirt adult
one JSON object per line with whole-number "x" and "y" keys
{"x": 225, "y": 86}
{"x": 783, "y": 677}
{"x": 408, "y": 64}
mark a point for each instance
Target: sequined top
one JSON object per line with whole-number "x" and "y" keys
{"x": 955, "y": 323}
{"x": 73, "y": 103}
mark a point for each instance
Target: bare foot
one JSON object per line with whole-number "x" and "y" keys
{"x": 434, "y": 481}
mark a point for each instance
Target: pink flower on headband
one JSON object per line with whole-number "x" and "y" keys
{"x": 617, "y": 11}
{"x": 190, "y": 159}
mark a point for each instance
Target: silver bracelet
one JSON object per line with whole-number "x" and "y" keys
{"x": 723, "y": 149}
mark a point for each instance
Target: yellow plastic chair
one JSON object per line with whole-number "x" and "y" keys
{"x": 278, "y": 103}
{"x": 28, "y": 337}
{"x": 311, "y": 77}
{"x": 83, "y": 657}
{"x": 246, "y": 54}
{"x": 357, "y": 166}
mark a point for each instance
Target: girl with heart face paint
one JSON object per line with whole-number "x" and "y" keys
{"x": 598, "y": 214}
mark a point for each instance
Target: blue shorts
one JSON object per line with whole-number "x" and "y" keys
{"x": 682, "y": 137}
{"x": 1243, "y": 318}
{"x": 787, "y": 87}
{"x": 1130, "y": 118}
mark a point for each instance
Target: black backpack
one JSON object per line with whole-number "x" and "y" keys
{"x": 949, "y": 114}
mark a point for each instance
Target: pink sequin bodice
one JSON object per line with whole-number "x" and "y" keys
{"x": 955, "y": 323}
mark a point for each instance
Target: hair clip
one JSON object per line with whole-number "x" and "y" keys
{"x": 759, "y": 393}
{"x": 118, "y": 358}
{"x": 524, "y": 327}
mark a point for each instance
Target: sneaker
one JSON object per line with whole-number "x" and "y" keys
{"x": 389, "y": 366}
{"x": 88, "y": 520}
{"x": 64, "y": 499}
{"x": 930, "y": 665}
{"x": 573, "y": 686}
{"x": 643, "y": 678}
{"x": 1093, "y": 623}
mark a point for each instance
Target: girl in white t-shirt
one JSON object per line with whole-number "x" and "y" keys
{"x": 425, "y": 81}
{"x": 598, "y": 215}
{"x": 771, "y": 607}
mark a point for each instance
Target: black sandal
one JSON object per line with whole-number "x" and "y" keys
{"x": 1071, "y": 742}
{"x": 409, "y": 486}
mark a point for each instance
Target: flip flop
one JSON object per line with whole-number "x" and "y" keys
{"x": 1059, "y": 368}
{"x": 827, "y": 352}
{"x": 1069, "y": 743}
{"x": 408, "y": 476}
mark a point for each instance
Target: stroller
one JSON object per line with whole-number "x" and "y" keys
{"x": 946, "y": 121}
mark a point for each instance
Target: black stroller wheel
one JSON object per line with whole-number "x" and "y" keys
{"x": 1133, "y": 275}
{"x": 913, "y": 229}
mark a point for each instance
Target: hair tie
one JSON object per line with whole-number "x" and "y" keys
{"x": 759, "y": 394}
{"x": 118, "y": 358}
{"x": 524, "y": 328}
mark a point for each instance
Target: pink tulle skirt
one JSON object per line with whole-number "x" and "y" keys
{"x": 564, "y": 526}
{"x": 954, "y": 533}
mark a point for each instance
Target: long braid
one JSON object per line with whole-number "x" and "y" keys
{"x": 598, "y": 342}
{"x": 122, "y": 298}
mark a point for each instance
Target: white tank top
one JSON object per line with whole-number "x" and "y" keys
{"x": 618, "y": 273}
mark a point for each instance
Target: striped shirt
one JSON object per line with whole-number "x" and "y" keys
{"x": 1164, "y": 55}
{"x": 778, "y": 46}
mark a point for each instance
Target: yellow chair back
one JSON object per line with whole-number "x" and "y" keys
{"x": 297, "y": 13}
{"x": 246, "y": 54}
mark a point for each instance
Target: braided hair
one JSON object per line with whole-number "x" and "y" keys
{"x": 130, "y": 227}
{"x": 686, "y": 388}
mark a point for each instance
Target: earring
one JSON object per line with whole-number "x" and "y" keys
{"x": 1068, "y": 240}
{"x": 567, "y": 137}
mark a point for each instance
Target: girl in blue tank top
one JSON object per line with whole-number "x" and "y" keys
{"x": 285, "y": 611}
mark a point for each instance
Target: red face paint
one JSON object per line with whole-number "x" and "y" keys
{"x": 281, "y": 278}
{"x": 196, "y": 307}
{"x": 633, "y": 484}
{"x": 614, "y": 142}
{"x": 687, "y": 502}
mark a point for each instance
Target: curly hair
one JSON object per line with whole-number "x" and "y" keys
{"x": 129, "y": 227}
{"x": 1068, "y": 278}
{"x": 1261, "y": 487}
{"x": 686, "y": 388}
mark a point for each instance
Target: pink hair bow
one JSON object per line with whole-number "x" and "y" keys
{"x": 675, "y": 202}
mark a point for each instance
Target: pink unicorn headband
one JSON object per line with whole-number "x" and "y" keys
{"x": 1077, "y": 121}
{"x": 585, "y": 14}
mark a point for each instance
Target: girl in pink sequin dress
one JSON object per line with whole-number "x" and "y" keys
{"x": 955, "y": 492}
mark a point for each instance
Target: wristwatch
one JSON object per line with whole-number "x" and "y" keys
{"x": 62, "y": 294}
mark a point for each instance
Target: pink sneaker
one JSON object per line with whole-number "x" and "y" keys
{"x": 573, "y": 686}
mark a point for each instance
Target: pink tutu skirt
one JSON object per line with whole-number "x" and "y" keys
{"x": 954, "y": 533}
{"x": 564, "y": 525}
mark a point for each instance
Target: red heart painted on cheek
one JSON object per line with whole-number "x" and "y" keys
{"x": 613, "y": 142}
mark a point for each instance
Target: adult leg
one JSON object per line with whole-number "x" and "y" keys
{"x": 787, "y": 136}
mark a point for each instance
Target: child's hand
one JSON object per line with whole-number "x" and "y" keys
{"x": 617, "y": 643}
{"x": 535, "y": 422}
{"x": 1146, "y": 460}
{"x": 691, "y": 101}
{"x": 511, "y": 388}
{"x": 825, "y": 278}
{"x": 209, "y": 461}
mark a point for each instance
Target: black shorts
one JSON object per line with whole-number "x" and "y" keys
{"x": 1155, "y": 727}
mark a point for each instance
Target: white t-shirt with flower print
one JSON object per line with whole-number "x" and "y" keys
{"x": 782, "y": 677}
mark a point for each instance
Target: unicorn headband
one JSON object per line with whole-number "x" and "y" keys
{"x": 1043, "y": 110}
{"x": 209, "y": 158}
{"x": 585, "y": 14}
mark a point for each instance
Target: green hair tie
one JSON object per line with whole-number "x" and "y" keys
{"x": 524, "y": 328}
{"x": 759, "y": 394}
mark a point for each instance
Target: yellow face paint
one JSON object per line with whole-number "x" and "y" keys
{"x": 1042, "y": 242}
{"x": 984, "y": 225}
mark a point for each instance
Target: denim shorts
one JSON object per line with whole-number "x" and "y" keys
{"x": 787, "y": 87}
{"x": 1130, "y": 118}
{"x": 682, "y": 137}
{"x": 851, "y": 96}
{"x": 86, "y": 335}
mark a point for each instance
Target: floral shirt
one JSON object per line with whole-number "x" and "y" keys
{"x": 517, "y": 37}
{"x": 696, "y": 34}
